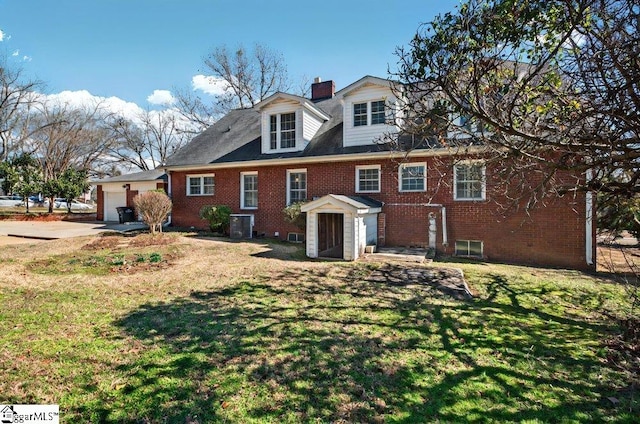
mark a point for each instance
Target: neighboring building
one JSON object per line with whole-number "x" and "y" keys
{"x": 326, "y": 150}
{"x": 115, "y": 192}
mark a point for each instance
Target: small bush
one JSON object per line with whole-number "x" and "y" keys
{"x": 218, "y": 217}
{"x": 154, "y": 207}
{"x": 293, "y": 215}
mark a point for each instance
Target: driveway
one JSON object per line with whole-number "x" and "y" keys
{"x": 28, "y": 231}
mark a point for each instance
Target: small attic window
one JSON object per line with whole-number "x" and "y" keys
{"x": 282, "y": 131}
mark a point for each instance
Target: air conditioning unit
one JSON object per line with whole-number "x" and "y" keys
{"x": 241, "y": 226}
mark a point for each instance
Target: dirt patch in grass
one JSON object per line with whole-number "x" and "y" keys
{"x": 614, "y": 259}
{"x": 114, "y": 253}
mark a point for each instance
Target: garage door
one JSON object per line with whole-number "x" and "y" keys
{"x": 113, "y": 200}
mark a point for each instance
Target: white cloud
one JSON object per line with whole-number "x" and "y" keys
{"x": 16, "y": 53}
{"x": 1, "y": 35}
{"x": 26, "y": 58}
{"x": 161, "y": 97}
{"x": 210, "y": 85}
{"x": 83, "y": 98}
{"x": 128, "y": 110}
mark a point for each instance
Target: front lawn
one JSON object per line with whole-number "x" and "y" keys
{"x": 217, "y": 331}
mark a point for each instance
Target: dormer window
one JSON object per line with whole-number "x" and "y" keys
{"x": 288, "y": 123}
{"x": 282, "y": 131}
{"x": 377, "y": 112}
{"x": 368, "y": 113}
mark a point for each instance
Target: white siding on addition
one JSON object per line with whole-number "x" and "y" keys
{"x": 310, "y": 126}
{"x": 368, "y": 134}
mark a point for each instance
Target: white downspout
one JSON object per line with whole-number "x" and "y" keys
{"x": 589, "y": 223}
{"x": 169, "y": 193}
{"x": 443, "y": 209}
{"x": 445, "y": 241}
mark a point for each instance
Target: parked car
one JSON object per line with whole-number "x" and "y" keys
{"x": 10, "y": 201}
{"x": 60, "y": 203}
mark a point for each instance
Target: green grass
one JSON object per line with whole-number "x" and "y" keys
{"x": 333, "y": 342}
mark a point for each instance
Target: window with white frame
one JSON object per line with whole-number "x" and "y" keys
{"x": 413, "y": 177}
{"x": 377, "y": 112}
{"x": 200, "y": 185}
{"x": 360, "y": 114}
{"x": 249, "y": 190}
{"x": 368, "y": 179}
{"x": 369, "y": 113}
{"x": 296, "y": 185}
{"x": 282, "y": 131}
{"x": 469, "y": 181}
{"x": 469, "y": 248}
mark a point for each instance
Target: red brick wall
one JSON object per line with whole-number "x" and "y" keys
{"x": 130, "y": 195}
{"x": 554, "y": 235}
{"x": 99, "y": 203}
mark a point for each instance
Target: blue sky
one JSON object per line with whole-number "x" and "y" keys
{"x": 129, "y": 48}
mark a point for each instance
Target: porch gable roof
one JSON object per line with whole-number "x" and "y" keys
{"x": 354, "y": 204}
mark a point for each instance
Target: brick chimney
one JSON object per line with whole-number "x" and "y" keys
{"x": 322, "y": 90}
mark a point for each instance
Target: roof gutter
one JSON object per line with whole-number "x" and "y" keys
{"x": 327, "y": 158}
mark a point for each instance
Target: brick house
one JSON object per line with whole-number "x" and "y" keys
{"x": 323, "y": 150}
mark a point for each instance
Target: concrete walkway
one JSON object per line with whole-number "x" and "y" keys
{"x": 52, "y": 230}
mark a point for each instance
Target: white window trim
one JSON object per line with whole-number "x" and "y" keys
{"x": 242, "y": 190}
{"x": 201, "y": 176}
{"x": 279, "y": 132}
{"x": 484, "y": 181}
{"x": 358, "y": 168}
{"x": 295, "y": 171}
{"x": 369, "y": 112}
{"x": 404, "y": 165}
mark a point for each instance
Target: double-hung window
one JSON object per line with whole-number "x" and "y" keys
{"x": 200, "y": 185}
{"x": 369, "y": 113}
{"x": 282, "y": 131}
{"x": 413, "y": 177}
{"x": 469, "y": 181}
{"x": 360, "y": 115}
{"x": 377, "y": 112}
{"x": 249, "y": 190}
{"x": 368, "y": 179}
{"x": 296, "y": 185}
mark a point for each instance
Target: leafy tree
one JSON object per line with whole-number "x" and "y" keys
{"x": 9, "y": 176}
{"x": 22, "y": 176}
{"x": 218, "y": 217}
{"x": 545, "y": 87}
{"x": 293, "y": 215}
{"x": 154, "y": 207}
{"x": 70, "y": 184}
{"x": 51, "y": 189}
{"x": 73, "y": 183}
{"x": 547, "y": 90}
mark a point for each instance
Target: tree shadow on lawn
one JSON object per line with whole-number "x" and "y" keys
{"x": 347, "y": 344}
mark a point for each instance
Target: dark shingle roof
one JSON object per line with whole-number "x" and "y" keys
{"x": 237, "y": 138}
{"x": 152, "y": 175}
